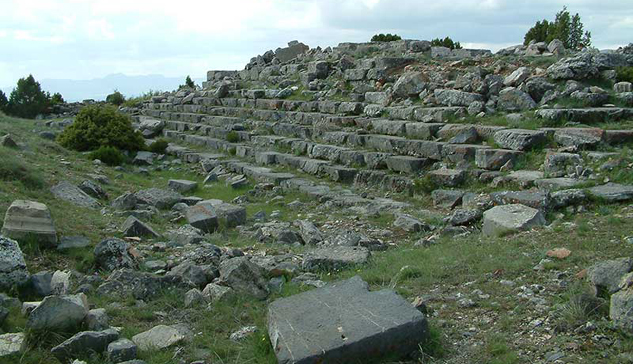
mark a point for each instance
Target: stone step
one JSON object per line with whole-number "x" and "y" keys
{"x": 587, "y": 115}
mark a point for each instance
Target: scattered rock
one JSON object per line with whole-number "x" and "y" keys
{"x": 60, "y": 314}
{"x": 507, "y": 219}
{"x": 69, "y": 192}
{"x": 30, "y": 219}
{"x": 13, "y": 272}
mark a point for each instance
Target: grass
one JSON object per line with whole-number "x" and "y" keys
{"x": 451, "y": 266}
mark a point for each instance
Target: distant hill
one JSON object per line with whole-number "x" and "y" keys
{"x": 99, "y": 88}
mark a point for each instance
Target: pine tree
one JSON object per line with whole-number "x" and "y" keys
{"x": 28, "y": 100}
{"x": 567, "y": 29}
{"x": 3, "y": 101}
{"x": 189, "y": 82}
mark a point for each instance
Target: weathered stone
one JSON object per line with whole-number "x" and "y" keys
{"x": 532, "y": 198}
{"x": 97, "y": 319}
{"x": 405, "y": 164}
{"x": 215, "y": 293}
{"x": 513, "y": 99}
{"x": 334, "y": 258}
{"x": 160, "y": 337}
{"x": 456, "y": 98}
{"x": 621, "y": 307}
{"x": 121, "y": 350}
{"x": 202, "y": 217}
{"x": 579, "y": 67}
{"x": 519, "y": 139}
{"x": 30, "y": 219}
{"x": 507, "y": 219}
{"x": 13, "y": 272}
{"x": 93, "y": 189}
{"x": 7, "y": 141}
{"x": 244, "y": 277}
{"x": 58, "y": 314}
{"x": 448, "y": 177}
{"x": 494, "y": 159}
{"x": 135, "y": 227}
{"x": 579, "y": 137}
{"x": 186, "y": 235}
{"x": 461, "y": 217}
{"x": 310, "y": 234}
{"x": 159, "y": 198}
{"x": 410, "y": 224}
{"x": 410, "y": 84}
{"x": 40, "y": 283}
{"x": 126, "y": 201}
{"x": 141, "y": 285}
{"x": 323, "y": 325}
{"x": 232, "y": 215}
{"x": 517, "y": 77}
{"x": 622, "y": 87}
{"x": 11, "y": 344}
{"x": 613, "y": 192}
{"x": 69, "y": 192}
{"x": 84, "y": 344}
{"x": 191, "y": 273}
{"x": 113, "y": 253}
{"x": 560, "y": 164}
{"x": 182, "y": 186}
{"x": 447, "y": 198}
{"x": 143, "y": 158}
{"x": 607, "y": 275}
{"x": 60, "y": 282}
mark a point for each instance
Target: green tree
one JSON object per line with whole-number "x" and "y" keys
{"x": 57, "y": 99}
{"x": 446, "y": 42}
{"x": 115, "y": 98}
{"x": 3, "y": 101}
{"x": 538, "y": 33}
{"x": 566, "y": 28}
{"x": 385, "y": 37}
{"x": 189, "y": 82}
{"x": 28, "y": 100}
{"x": 98, "y": 126}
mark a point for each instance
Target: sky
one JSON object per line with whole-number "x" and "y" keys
{"x": 86, "y": 39}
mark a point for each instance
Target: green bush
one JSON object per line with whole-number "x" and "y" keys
{"x": 57, "y": 99}
{"x": 115, "y": 98}
{"x": 97, "y": 126}
{"x": 446, "y": 42}
{"x": 385, "y": 37}
{"x": 108, "y": 155}
{"x": 624, "y": 74}
{"x": 159, "y": 146}
{"x": 188, "y": 84}
{"x": 566, "y": 28}
{"x": 232, "y": 137}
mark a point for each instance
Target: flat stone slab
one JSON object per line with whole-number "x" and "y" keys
{"x": 160, "y": 337}
{"x": 181, "y": 185}
{"x": 613, "y": 192}
{"x": 29, "y": 218}
{"x": 69, "y": 192}
{"x": 344, "y": 322}
{"x": 507, "y": 219}
{"x": 336, "y": 257}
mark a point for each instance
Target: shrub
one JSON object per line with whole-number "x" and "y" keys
{"x": 97, "y": 126}
{"x": 385, "y": 37}
{"x": 57, "y": 99}
{"x": 232, "y": 137}
{"x": 115, "y": 98}
{"x": 624, "y": 74}
{"x": 566, "y": 28}
{"x": 28, "y": 100}
{"x": 159, "y": 146}
{"x": 446, "y": 42}
{"x": 108, "y": 155}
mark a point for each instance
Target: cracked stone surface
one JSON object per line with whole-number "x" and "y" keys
{"x": 344, "y": 322}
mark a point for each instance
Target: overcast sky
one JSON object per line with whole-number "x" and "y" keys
{"x": 85, "y": 39}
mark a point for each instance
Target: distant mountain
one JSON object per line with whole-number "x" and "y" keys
{"x": 99, "y": 88}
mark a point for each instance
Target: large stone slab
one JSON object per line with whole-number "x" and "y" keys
{"x": 84, "y": 344}
{"x": 344, "y": 322}
{"x": 67, "y": 191}
{"x": 232, "y": 215}
{"x": 613, "y": 192}
{"x": 202, "y": 217}
{"x": 507, "y": 219}
{"x": 29, "y": 219}
{"x": 519, "y": 139}
{"x": 159, "y": 198}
